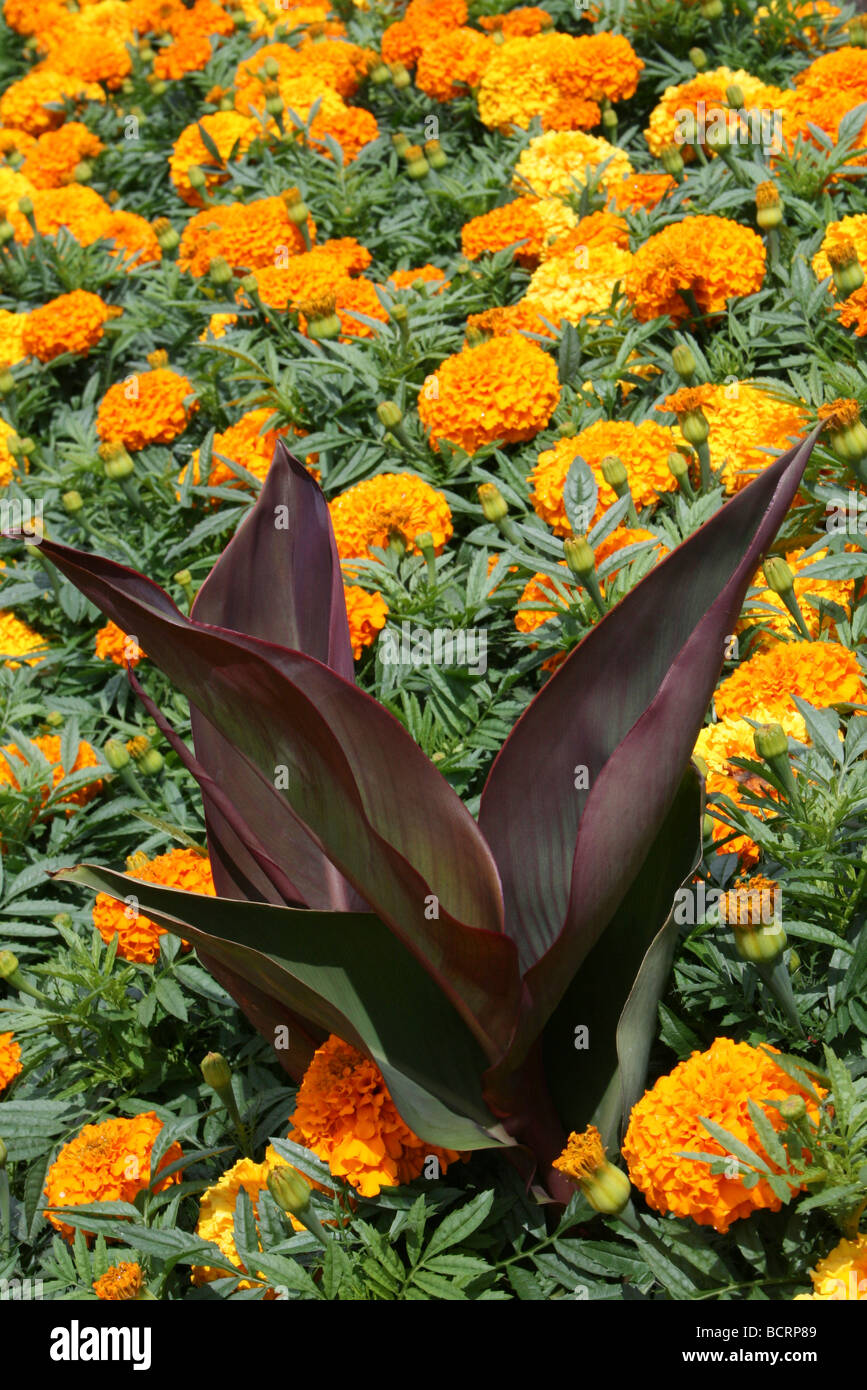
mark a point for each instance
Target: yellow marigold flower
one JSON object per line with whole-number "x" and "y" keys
{"x": 218, "y": 326}
{"x": 390, "y": 505}
{"x": 745, "y": 422}
{"x": 824, "y": 673}
{"x": 121, "y": 1283}
{"x": 523, "y": 220}
{"x": 732, "y": 737}
{"x": 710, "y": 88}
{"x": 559, "y": 163}
{"x": 643, "y": 448}
{"x": 11, "y": 338}
{"x": 37, "y": 101}
{"x": 840, "y": 1275}
{"x": 505, "y": 390}
{"x": 571, "y": 286}
{"x": 17, "y": 639}
{"x": 49, "y": 747}
{"x": 52, "y": 159}
{"x": 217, "y": 1211}
{"x": 453, "y": 63}
{"x": 113, "y": 644}
{"x": 714, "y": 258}
{"x": 108, "y": 1162}
{"x": 247, "y": 235}
{"x": 367, "y": 614}
{"x": 717, "y": 1084}
{"x": 10, "y": 1060}
{"x": 147, "y": 408}
{"x": 345, "y": 1114}
{"x": 778, "y": 624}
{"x": 13, "y": 185}
{"x": 15, "y": 141}
{"x": 228, "y": 131}
{"x": 138, "y": 938}
{"x": 70, "y": 323}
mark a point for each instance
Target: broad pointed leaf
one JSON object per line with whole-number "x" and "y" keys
{"x": 357, "y": 782}
{"x": 344, "y": 972}
{"x": 626, "y": 706}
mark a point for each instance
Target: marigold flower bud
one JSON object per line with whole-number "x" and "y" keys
{"x": 609, "y": 118}
{"x": 25, "y": 206}
{"x": 389, "y": 414}
{"x": 150, "y": 762}
{"x": 379, "y": 75}
{"x": 845, "y": 268}
{"x": 769, "y": 206}
{"x": 793, "y": 1108}
{"x": 856, "y": 31}
{"x": 494, "y": 505}
{"x": 400, "y": 141}
{"x": 711, "y": 9}
{"x": 219, "y": 271}
{"x": 270, "y": 67}
{"x": 735, "y": 95}
{"x": 770, "y": 741}
{"x": 196, "y": 176}
{"x": 289, "y": 1190}
{"x": 116, "y": 461}
{"x": 166, "y": 235}
{"x": 8, "y": 964}
{"x": 116, "y": 755}
{"x": 399, "y": 76}
{"x": 694, "y": 426}
{"x": 605, "y": 1187}
{"x": 778, "y": 574}
{"x": 760, "y": 944}
{"x": 297, "y": 212}
{"x": 275, "y": 105}
{"x": 698, "y": 58}
{"x": 54, "y": 718}
{"x": 672, "y": 161}
{"x": 435, "y": 154}
{"x": 614, "y": 473}
{"x": 847, "y": 434}
{"x": 216, "y": 1071}
{"x": 417, "y": 166}
{"x": 683, "y": 361}
{"x": 579, "y": 556}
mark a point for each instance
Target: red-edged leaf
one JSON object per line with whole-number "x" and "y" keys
{"x": 627, "y": 705}
{"x": 357, "y": 782}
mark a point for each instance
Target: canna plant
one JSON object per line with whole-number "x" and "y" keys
{"x": 503, "y": 974}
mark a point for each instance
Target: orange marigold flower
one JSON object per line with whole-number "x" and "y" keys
{"x": 352, "y": 128}
{"x": 825, "y": 673}
{"x": 17, "y": 639}
{"x": 218, "y": 326}
{"x": 113, "y": 644}
{"x": 643, "y": 448}
{"x": 138, "y": 938}
{"x": 767, "y": 608}
{"x": 505, "y": 390}
{"x": 529, "y": 77}
{"x": 523, "y": 22}
{"x": 49, "y": 747}
{"x": 189, "y": 53}
{"x": 523, "y": 317}
{"x": 525, "y": 220}
{"x": 398, "y": 505}
{"x": 120, "y": 1283}
{"x": 560, "y": 163}
{"x": 10, "y": 1060}
{"x": 229, "y": 132}
{"x": 312, "y": 274}
{"x": 247, "y": 442}
{"x": 108, "y": 1162}
{"x": 453, "y": 63}
{"x": 88, "y": 218}
{"x": 572, "y": 113}
{"x": 91, "y": 57}
{"x": 842, "y": 1274}
{"x": 713, "y": 258}
{"x": 541, "y": 589}
{"x": 641, "y": 191}
{"x": 717, "y": 1084}
{"x": 367, "y": 614}
{"x": 72, "y": 323}
{"x": 345, "y": 1114}
{"x": 147, "y": 408}
{"x": 620, "y": 538}
{"x": 247, "y": 235}
{"x": 850, "y": 231}
{"x": 51, "y": 162}
{"x": 421, "y": 275}
{"x": 37, "y": 101}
